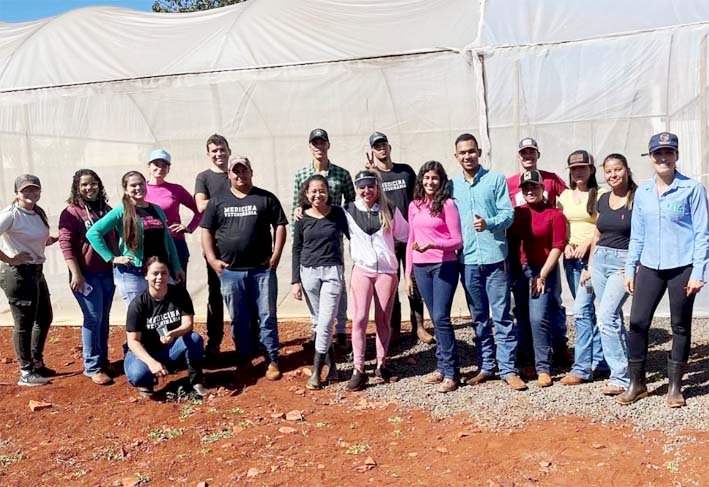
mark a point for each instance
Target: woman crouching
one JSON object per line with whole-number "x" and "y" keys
{"x": 159, "y": 333}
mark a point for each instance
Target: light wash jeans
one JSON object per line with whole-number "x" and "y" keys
{"x": 608, "y": 281}
{"x": 487, "y": 287}
{"x": 129, "y": 281}
{"x": 323, "y": 286}
{"x": 96, "y": 308}
{"x": 243, "y": 292}
{"x": 588, "y": 353}
{"x": 187, "y": 348}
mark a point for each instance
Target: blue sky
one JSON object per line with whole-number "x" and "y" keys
{"x": 25, "y": 10}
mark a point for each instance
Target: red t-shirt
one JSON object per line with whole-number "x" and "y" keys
{"x": 537, "y": 230}
{"x": 553, "y": 187}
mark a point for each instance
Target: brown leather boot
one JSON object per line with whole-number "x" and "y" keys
{"x": 417, "y": 328}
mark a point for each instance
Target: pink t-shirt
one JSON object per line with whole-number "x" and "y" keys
{"x": 442, "y": 230}
{"x": 169, "y": 197}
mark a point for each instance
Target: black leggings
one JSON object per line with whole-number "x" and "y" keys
{"x": 650, "y": 286}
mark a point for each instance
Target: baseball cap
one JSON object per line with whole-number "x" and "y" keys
{"x": 364, "y": 178}
{"x": 528, "y": 142}
{"x": 26, "y": 180}
{"x": 532, "y": 176}
{"x": 318, "y": 134}
{"x": 244, "y": 161}
{"x": 662, "y": 140}
{"x": 579, "y": 158}
{"x": 159, "y": 154}
{"x": 377, "y": 137}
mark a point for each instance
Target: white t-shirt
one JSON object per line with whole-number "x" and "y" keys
{"x": 23, "y": 231}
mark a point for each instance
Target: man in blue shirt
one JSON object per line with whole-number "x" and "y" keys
{"x": 486, "y": 212}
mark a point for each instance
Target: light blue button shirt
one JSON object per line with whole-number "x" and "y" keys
{"x": 487, "y": 196}
{"x": 671, "y": 230}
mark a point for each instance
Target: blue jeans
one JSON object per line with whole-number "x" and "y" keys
{"x": 608, "y": 281}
{"x": 183, "y": 255}
{"x": 543, "y": 310}
{"x": 188, "y": 346}
{"x": 557, "y": 313}
{"x": 129, "y": 281}
{"x": 487, "y": 288}
{"x": 437, "y": 283}
{"x": 96, "y": 308}
{"x": 243, "y": 292}
{"x": 588, "y": 353}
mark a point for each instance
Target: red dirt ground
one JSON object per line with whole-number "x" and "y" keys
{"x": 106, "y": 436}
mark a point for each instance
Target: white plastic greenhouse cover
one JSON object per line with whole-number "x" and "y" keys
{"x": 101, "y": 87}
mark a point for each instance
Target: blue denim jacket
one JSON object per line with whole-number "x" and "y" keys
{"x": 486, "y": 195}
{"x": 671, "y": 230}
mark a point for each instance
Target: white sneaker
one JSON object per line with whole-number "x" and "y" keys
{"x": 32, "y": 379}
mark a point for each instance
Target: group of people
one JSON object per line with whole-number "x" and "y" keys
{"x": 503, "y": 239}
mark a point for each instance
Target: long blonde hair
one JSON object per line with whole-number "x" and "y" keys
{"x": 386, "y": 215}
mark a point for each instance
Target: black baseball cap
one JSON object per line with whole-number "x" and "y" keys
{"x": 377, "y": 137}
{"x": 579, "y": 158}
{"x": 318, "y": 134}
{"x": 528, "y": 142}
{"x": 25, "y": 181}
{"x": 532, "y": 176}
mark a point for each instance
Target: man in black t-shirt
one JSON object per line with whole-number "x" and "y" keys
{"x": 398, "y": 182}
{"x": 209, "y": 183}
{"x": 159, "y": 333}
{"x": 245, "y": 231}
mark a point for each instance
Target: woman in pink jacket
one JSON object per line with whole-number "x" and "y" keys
{"x": 434, "y": 238}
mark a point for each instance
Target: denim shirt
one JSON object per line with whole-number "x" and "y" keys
{"x": 671, "y": 230}
{"x": 487, "y": 196}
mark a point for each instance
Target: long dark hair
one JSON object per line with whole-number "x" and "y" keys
{"x": 592, "y": 184}
{"x": 443, "y": 193}
{"x": 303, "y": 193}
{"x": 75, "y": 197}
{"x": 632, "y": 185}
{"x": 131, "y": 229}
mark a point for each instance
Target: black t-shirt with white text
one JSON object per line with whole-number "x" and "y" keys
{"x": 242, "y": 227}
{"x": 146, "y": 314}
{"x": 398, "y": 185}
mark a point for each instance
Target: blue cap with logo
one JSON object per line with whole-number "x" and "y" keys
{"x": 159, "y": 155}
{"x": 661, "y": 141}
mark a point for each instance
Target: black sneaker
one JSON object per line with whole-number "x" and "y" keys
{"x": 32, "y": 379}
{"x": 146, "y": 392}
{"x": 43, "y": 370}
{"x": 358, "y": 381}
{"x": 200, "y": 390}
{"x": 384, "y": 374}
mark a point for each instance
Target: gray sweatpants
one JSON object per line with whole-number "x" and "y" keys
{"x": 323, "y": 288}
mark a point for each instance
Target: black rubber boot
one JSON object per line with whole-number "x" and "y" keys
{"x": 358, "y": 381}
{"x": 637, "y": 388}
{"x": 314, "y": 381}
{"x": 331, "y": 364}
{"x": 675, "y": 372}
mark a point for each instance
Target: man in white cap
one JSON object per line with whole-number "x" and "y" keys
{"x": 243, "y": 238}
